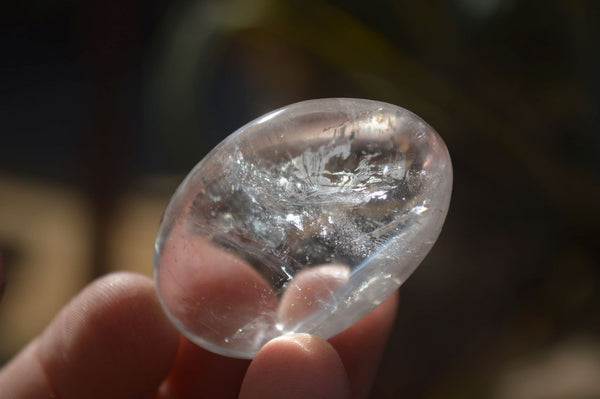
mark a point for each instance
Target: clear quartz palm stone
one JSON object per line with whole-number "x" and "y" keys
{"x": 303, "y": 220}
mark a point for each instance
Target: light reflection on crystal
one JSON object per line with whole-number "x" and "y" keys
{"x": 302, "y": 221}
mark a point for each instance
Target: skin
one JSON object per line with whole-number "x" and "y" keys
{"x": 114, "y": 341}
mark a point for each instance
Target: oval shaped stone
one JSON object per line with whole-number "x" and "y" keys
{"x": 303, "y": 220}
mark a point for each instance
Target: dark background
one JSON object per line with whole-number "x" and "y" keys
{"x": 103, "y": 96}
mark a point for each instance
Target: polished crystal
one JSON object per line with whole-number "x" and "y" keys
{"x": 303, "y": 220}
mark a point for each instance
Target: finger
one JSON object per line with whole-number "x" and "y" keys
{"x": 308, "y": 291}
{"x": 215, "y": 295}
{"x": 361, "y": 346}
{"x": 296, "y": 366}
{"x": 24, "y": 377}
{"x": 197, "y": 372}
{"x": 113, "y": 340}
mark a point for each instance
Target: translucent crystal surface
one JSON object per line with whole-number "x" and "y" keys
{"x": 303, "y": 220}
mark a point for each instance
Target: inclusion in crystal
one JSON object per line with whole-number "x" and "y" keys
{"x": 303, "y": 220}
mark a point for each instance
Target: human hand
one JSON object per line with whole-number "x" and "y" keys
{"x": 114, "y": 341}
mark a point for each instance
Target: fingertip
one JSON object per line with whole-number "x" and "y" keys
{"x": 296, "y": 366}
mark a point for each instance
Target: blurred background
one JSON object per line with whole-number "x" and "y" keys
{"x": 105, "y": 106}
